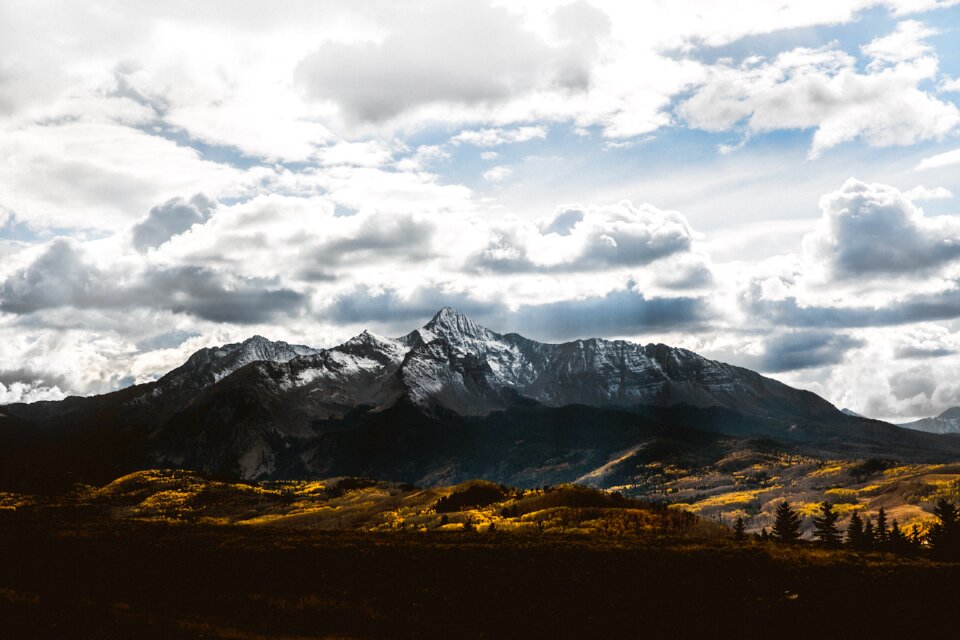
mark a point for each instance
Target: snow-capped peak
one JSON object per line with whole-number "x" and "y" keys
{"x": 453, "y": 325}
{"x": 370, "y": 343}
{"x": 212, "y": 364}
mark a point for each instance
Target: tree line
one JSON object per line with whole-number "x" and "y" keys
{"x": 862, "y": 534}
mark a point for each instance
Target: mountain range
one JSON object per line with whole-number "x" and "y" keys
{"x": 448, "y": 401}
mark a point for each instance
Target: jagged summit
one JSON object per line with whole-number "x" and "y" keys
{"x": 212, "y": 364}
{"x": 455, "y": 326}
{"x": 446, "y": 312}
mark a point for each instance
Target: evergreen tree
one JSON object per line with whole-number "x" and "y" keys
{"x": 868, "y": 535}
{"x": 897, "y": 541}
{"x": 763, "y": 536}
{"x": 855, "y": 535}
{"x": 915, "y": 539}
{"x": 825, "y": 525}
{"x": 944, "y": 535}
{"x": 786, "y": 524}
{"x": 881, "y": 533}
{"x": 738, "y": 530}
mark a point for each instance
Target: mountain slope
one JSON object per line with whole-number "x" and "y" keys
{"x": 946, "y": 422}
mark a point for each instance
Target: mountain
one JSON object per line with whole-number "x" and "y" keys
{"x": 448, "y": 401}
{"x": 174, "y": 390}
{"x": 946, "y": 422}
{"x": 454, "y": 364}
{"x": 851, "y": 413}
{"x": 83, "y": 438}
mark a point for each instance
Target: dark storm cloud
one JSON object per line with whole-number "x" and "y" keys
{"x": 788, "y": 312}
{"x": 380, "y": 236}
{"x": 31, "y": 376}
{"x": 460, "y": 53}
{"x": 61, "y": 277}
{"x": 220, "y": 297}
{"x": 360, "y": 305}
{"x": 169, "y": 219}
{"x": 911, "y": 352}
{"x": 617, "y": 313}
{"x": 58, "y": 277}
{"x": 806, "y": 350}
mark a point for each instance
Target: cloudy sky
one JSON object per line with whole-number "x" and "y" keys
{"x": 776, "y": 185}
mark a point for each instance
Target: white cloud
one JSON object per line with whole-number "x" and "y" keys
{"x": 906, "y": 43}
{"x": 580, "y": 238}
{"x": 884, "y": 276}
{"x": 375, "y": 189}
{"x": 906, "y": 7}
{"x": 497, "y": 174}
{"x": 726, "y": 149}
{"x": 360, "y": 154}
{"x": 442, "y": 54}
{"x": 28, "y": 392}
{"x": 874, "y": 229}
{"x": 99, "y": 175}
{"x": 946, "y": 159}
{"x": 823, "y": 90}
{"x": 920, "y": 192}
{"x": 497, "y": 136}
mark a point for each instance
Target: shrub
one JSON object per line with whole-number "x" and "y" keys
{"x": 871, "y": 467}
{"x": 346, "y": 485}
{"x": 476, "y": 495}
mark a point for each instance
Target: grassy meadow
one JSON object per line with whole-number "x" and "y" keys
{"x": 173, "y": 554}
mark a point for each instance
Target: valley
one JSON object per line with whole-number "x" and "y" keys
{"x": 169, "y": 554}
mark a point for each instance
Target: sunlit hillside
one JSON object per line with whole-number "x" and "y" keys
{"x": 717, "y": 496}
{"x": 908, "y": 493}
{"x": 367, "y": 505}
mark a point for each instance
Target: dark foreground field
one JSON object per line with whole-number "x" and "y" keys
{"x": 151, "y": 580}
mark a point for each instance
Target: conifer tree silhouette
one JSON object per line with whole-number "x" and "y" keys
{"x": 786, "y": 524}
{"x": 825, "y": 525}
{"x": 868, "y": 534}
{"x": 881, "y": 533}
{"x": 855, "y": 535}
{"x": 738, "y": 530}
{"x": 944, "y": 535}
